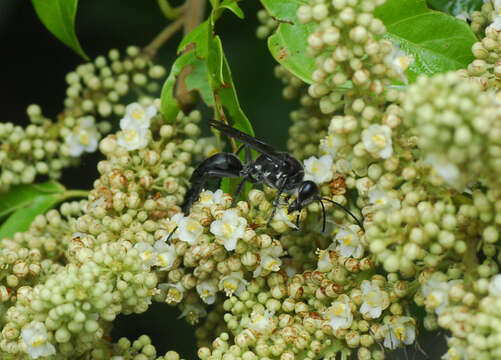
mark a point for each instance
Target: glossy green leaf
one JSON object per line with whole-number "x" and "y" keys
{"x": 456, "y": 7}
{"x": 232, "y": 5}
{"x": 200, "y": 37}
{"x": 168, "y": 104}
{"x": 58, "y": 16}
{"x": 283, "y": 10}
{"x": 288, "y": 44}
{"x": 438, "y": 42}
{"x": 24, "y": 195}
{"x": 23, "y": 203}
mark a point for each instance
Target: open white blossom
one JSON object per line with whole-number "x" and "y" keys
{"x": 137, "y": 117}
{"x": 233, "y": 283}
{"x": 331, "y": 144}
{"x": 83, "y": 138}
{"x": 455, "y": 353}
{"x": 36, "y": 340}
{"x": 193, "y": 311}
{"x": 230, "y": 228}
{"x": 318, "y": 170}
{"x": 349, "y": 242}
{"x": 209, "y": 198}
{"x": 496, "y": 24}
{"x": 399, "y": 61}
{"x": 189, "y": 230}
{"x": 262, "y": 322}
{"x": 377, "y": 141}
{"x": 132, "y": 139}
{"x": 283, "y": 215}
{"x": 324, "y": 263}
{"x": 401, "y": 330}
{"x": 382, "y": 200}
{"x": 173, "y": 292}
{"x": 207, "y": 290}
{"x": 436, "y": 295}
{"x": 375, "y": 300}
{"x": 446, "y": 170}
{"x": 147, "y": 254}
{"x": 269, "y": 259}
{"x": 339, "y": 313}
{"x": 495, "y": 285}
{"x": 166, "y": 254}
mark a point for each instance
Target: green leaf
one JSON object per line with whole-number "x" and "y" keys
{"x": 438, "y": 42}
{"x": 232, "y": 5}
{"x": 199, "y": 37}
{"x": 58, "y": 16}
{"x": 23, "y": 195}
{"x": 24, "y": 202}
{"x": 283, "y": 10}
{"x": 288, "y": 44}
{"x": 456, "y": 7}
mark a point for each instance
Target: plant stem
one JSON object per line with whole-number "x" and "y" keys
{"x": 194, "y": 14}
{"x": 470, "y": 262}
{"x": 68, "y": 194}
{"x": 169, "y": 11}
{"x": 152, "y": 48}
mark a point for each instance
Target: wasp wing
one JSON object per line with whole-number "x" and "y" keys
{"x": 246, "y": 139}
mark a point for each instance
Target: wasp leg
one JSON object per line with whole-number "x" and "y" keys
{"x": 197, "y": 186}
{"x": 276, "y": 202}
{"x": 248, "y": 159}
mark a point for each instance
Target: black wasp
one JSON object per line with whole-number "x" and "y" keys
{"x": 276, "y": 169}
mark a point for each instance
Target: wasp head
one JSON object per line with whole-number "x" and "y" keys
{"x": 307, "y": 193}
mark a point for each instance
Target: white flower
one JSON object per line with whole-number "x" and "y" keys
{"x": 339, "y": 313}
{"x": 207, "y": 290}
{"x": 233, "y": 283}
{"x": 496, "y": 24}
{"x": 495, "y": 285}
{"x": 382, "y": 200}
{"x": 35, "y": 337}
{"x": 173, "y": 292}
{"x": 398, "y": 331}
{"x": 375, "y": 300}
{"x": 318, "y": 170}
{"x": 331, "y": 144}
{"x": 166, "y": 254}
{"x": 193, "y": 313}
{"x": 269, "y": 259}
{"x": 147, "y": 254}
{"x": 189, "y": 230}
{"x": 349, "y": 242}
{"x": 132, "y": 139}
{"x": 283, "y": 215}
{"x": 445, "y": 169}
{"x": 209, "y": 198}
{"x": 377, "y": 141}
{"x": 137, "y": 117}
{"x": 84, "y": 137}
{"x": 436, "y": 295}
{"x": 230, "y": 228}
{"x": 455, "y": 353}
{"x": 324, "y": 263}
{"x": 262, "y": 322}
{"x": 399, "y": 61}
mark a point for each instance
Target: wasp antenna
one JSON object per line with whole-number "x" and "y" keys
{"x": 170, "y": 235}
{"x": 323, "y": 214}
{"x": 359, "y": 223}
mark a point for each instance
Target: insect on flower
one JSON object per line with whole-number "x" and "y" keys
{"x": 276, "y": 169}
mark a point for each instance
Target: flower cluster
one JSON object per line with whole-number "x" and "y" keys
{"x": 93, "y": 95}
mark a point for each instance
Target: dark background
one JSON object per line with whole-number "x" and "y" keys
{"x": 33, "y": 65}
